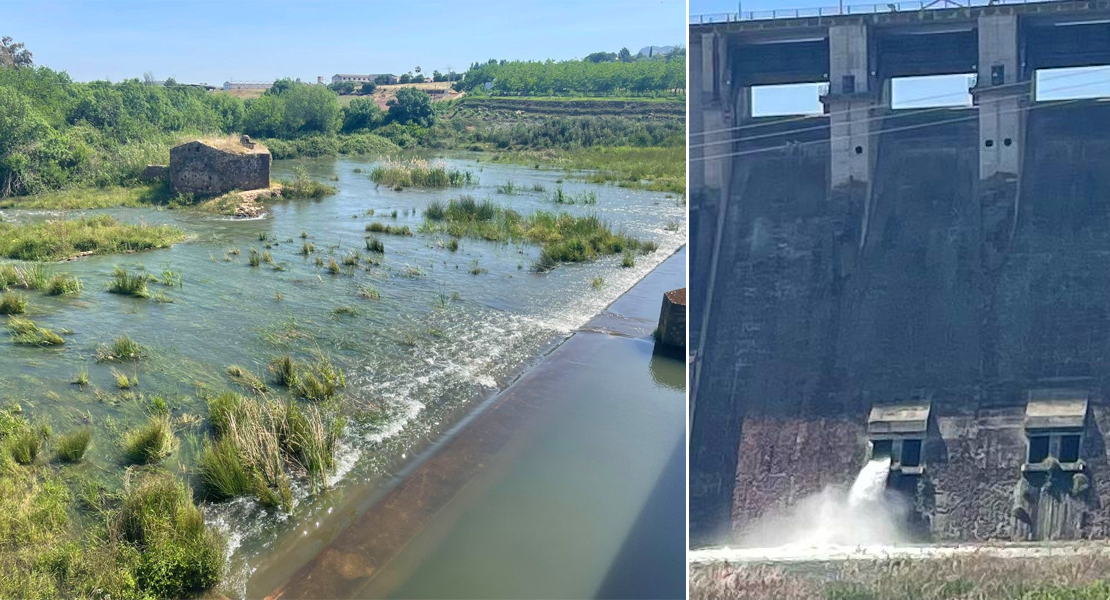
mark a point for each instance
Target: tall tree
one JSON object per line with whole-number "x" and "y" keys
{"x": 14, "y": 54}
{"x": 412, "y": 105}
{"x": 624, "y": 55}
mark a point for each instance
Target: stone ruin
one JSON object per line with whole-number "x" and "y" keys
{"x": 212, "y": 168}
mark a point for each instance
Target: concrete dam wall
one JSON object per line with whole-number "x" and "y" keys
{"x": 953, "y": 321}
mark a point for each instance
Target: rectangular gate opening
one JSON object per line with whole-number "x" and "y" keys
{"x": 786, "y": 100}
{"x": 931, "y": 91}
{"x": 1071, "y": 83}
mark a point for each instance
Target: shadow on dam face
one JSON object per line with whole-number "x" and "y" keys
{"x": 957, "y": 290}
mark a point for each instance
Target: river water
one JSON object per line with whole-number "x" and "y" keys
{"x": 439, "y": 341}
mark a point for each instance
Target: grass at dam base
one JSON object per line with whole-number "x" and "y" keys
{"x": 1077, "y": 571}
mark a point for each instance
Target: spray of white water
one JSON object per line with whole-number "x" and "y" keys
{"x": 863, "y": 515}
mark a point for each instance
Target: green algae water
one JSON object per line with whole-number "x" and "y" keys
{"x": 450, "y": 328}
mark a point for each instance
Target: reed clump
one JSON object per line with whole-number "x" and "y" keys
{"x": 258, "y": 442}
{"x": 419, "y": 173}
{"x": 71, "y": 447}
{"x": 121, "y": 349}
{"x": 390, "y": 229}
{"x": 564, "y": 237}
{"x": 13, "y": 303}
{"x": 129, "y": 284}
{"x": 151, "y": 442}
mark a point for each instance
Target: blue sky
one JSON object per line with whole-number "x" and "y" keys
{"x": 215, "y": 41}
{"x": 935, "y": 91}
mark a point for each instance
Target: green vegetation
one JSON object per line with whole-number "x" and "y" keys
{"x": 95, "y": 197}
{"x": 303, "y": 186}
{"x": 82, "y": 378}
{"x": 122, "y": 348}
{"x": 611, "y": 77}
{"x": 23, "y": 444}
{"x": 247, "y": 379}
{"x": 128, "y": 284}
{"x": 564, "y": 237}
{"x": 373, "y": 244}
{"x": 318, "y": 381}
{"x": 419, "y": 173}
{"x": 178, "y": 555}
{"x": 26, "y": 332}
{"x": 652, "y": 168}
{"x": 257, "y": 440}
{"x": 628, "y": 261}
{"x": 561, "y": 197}
{"x": 597, "y": 282}
{"x": 58, "y": 285}
{"x": 369, "y": 292}
{"x": 390, "y": 229}
{"x": 150, "y": 443}
{"x": 71, "y": 447}
{"x": 59, "y": 240}
{"x": 12, "y": 303}
{"x": 28, "y": 277}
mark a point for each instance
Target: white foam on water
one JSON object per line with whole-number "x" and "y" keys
{"x": 826, "y": 522}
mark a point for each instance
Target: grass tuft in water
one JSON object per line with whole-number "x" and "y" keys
{"x": 150, "y": 443}
{"x": 13, "y": 303}
{"x": 304, "y": 186}
{"x": 223, "y": 471}
{"x": 247, "y": 379}
{"x": 71, "y": 447}
{"x": 333, "y": 267}
{"x": 122, "y": 348}
{"x": 82, "y": 378}
{"x": 373, "y": 244}
{"x": 390, "y": 229}
{"x": 419, "y": 173}
{"x": 597, "y": 282}
{"x": 59, "y": 285}
{"x": 369, "y": 292}
{"x": 308, "y": 248}
{"x": 128, "y": 284}
{"x": 284, "y": 370}
{"x": 26, "y": 332}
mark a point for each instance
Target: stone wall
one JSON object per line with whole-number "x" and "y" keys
{"x": 198, "y": 168}
{"x": 823, "y": 307}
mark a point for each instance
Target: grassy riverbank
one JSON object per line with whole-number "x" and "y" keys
{"x": 651, "y": 168}
{"x": 967, "y": 577}
{"x": 60, "y": 240}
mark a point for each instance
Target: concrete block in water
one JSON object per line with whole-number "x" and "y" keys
{"x": 672, "y": 319}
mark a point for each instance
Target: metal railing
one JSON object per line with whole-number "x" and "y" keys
{"x": 846, "y": 9}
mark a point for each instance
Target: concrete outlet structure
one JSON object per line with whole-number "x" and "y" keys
{"x": 928, "y": 285}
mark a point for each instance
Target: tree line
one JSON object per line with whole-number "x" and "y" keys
{"x": 597, "y": 75}
{"x": 56, "y": 132}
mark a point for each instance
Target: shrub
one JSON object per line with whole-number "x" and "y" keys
{"x": 179, "y": 555}
{"x": 373, "y": 244}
